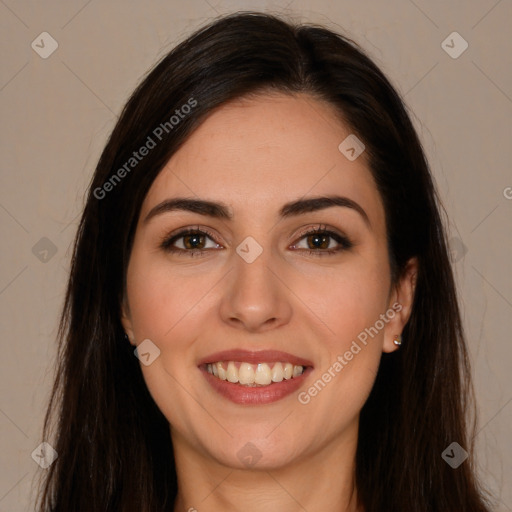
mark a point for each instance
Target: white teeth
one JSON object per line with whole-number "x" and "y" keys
{"x": 297, "y": 370}
{"x": 262, "y": 375}
{"x": 246, "y": 374}
{"x": 277, "y": 373}
{"x": 232, "y": 372}
{"x": 221, "y": 372}
{"x": 254, "y": 375}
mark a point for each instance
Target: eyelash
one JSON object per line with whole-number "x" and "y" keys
{"x": 166, "y": 243}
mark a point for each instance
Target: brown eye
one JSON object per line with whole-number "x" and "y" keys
{"x": 319, "y": 240}
{"x": 192, "y": 241}
{"x": 195, "y": 241}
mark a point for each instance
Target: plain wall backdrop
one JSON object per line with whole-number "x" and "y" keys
{"x": 57, "y": 110}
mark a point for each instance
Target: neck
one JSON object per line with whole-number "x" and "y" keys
{"x": 321, "y": 481}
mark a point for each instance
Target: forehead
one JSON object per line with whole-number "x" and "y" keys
{"x": 256, "y": 154}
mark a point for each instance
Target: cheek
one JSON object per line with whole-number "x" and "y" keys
{"x": 349, "y": 303}
{"x": 347, "y": 299}
{"x": 161, "y": 300}
{"x": 167, "y": 309}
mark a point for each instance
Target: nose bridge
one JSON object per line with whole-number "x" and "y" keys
{"x": 255, "y": 297}
{"x": 251, "y": 266}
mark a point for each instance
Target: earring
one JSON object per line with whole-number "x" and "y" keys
{"x": 397, "y": 340}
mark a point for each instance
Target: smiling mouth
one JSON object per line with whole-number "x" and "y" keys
{"x": 254, "y": 375}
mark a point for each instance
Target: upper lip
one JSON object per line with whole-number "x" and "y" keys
{"x": 254, "y": 357}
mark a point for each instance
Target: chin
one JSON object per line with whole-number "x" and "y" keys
{"x": 257, "y": 453}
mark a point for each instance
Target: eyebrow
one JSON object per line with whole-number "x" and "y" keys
{"x": 220, "y": 210}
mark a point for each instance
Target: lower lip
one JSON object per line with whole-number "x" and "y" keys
{"x": 246, "y": 395}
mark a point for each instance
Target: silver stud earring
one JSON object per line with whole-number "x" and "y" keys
{"x": 397, "y": 340}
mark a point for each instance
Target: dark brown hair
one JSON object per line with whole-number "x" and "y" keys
{"x": 114, "y": 446}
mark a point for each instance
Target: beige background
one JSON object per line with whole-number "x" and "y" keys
{"x": 58, "y": 111}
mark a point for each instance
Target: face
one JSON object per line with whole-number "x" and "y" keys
{"x": 288, "y": 299}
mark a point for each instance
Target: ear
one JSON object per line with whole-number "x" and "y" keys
{"x": 126, "y": 320}
{"x": 400, "y": 301}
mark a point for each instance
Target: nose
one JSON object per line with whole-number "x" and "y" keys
{"x": 255, "y": 297}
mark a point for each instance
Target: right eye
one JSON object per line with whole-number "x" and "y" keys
{"x": 193, "y": 241}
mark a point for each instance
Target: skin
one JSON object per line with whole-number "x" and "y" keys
{"x": 254, "y": 155}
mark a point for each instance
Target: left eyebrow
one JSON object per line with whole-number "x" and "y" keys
{"x": 222, "y": 211}
{"x": 313, "y": 204}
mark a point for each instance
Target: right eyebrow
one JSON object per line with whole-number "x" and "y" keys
{"x": 201, "y": 206}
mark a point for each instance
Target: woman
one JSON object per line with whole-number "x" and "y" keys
{"x": 261, "y": 309}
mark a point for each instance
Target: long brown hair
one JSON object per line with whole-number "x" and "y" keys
{"x": 114, "y": 446}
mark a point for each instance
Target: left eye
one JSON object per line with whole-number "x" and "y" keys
{"x": 318, "y": 242}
